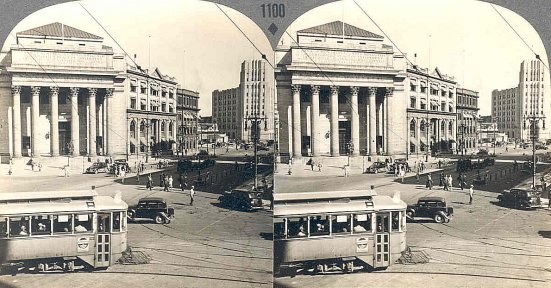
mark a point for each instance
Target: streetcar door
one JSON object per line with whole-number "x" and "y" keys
{"x": 103, "y": 241}
{"x": 381, "y": 250}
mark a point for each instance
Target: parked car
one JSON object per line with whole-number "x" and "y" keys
{"x": 119, "y": 162}
{"x": 241, "y": 199}
{"x": 97, "y": 167}
{"x": 430, "y": 207}
{"x": 482, "y": 152}
{"x": 397, "y": 162}
{"x": 540, "y": 146}
{"x": 376, "y": 167}
{"x": 520, "y": 198}
{"x": 154, "y": 208}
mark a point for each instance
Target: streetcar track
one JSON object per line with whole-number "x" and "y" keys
{"x": 484, "y": 252}
{"x": 462, "y": 274}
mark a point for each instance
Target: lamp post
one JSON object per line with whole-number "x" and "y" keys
{"x": 494, "y": 124}
{"x": 533, "y": 119}
{"x": 254, "y": 120}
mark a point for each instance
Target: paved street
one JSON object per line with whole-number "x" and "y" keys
{"x": 484, "y": 245}
{"x": 204, "y": 246}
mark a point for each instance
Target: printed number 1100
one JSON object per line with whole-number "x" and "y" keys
{"x": 271, "y": 10}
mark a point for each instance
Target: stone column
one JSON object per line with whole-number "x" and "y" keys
{"x": 418, "y": 135}
{"x": 54, "y": 119}
{"x": 35, "y": 105}
{"x": 16, "y": 92}
{"x": 334, "y": 121}
{"x": 314, "y": 118}
{"x": 166, "y": 130}
{"x": 372, "y": 122}
{"x": 297, "y": 135}
{"x": 387, "y": 112}
{"x": 355, "y": 124}
{"x": 92, "y": 121}
{"x": 137, "y": 135}
{"x": 109, "y": 119}
{"x": 75, "y": 121}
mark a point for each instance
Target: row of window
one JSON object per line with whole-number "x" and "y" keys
{"x": 36, "y": 225}
{"x": 340, "y": 224}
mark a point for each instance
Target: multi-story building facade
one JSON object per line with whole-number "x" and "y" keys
{"x": 507, "y": 111}
{"x": 512, "y": 107}
{"x": 187, "y": 119}
{"x": 253, "y": 98}
{"x": 467, "y": 120}
{"x": 66, "y": 93}
{"x": 431, "y": 111}
{"x": 340, "y": 91}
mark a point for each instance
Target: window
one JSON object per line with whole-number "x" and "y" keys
{"x": 19, "y": 226}
{"x": 63, "y": 223}
{"x": 382, "y": 223}
{"x": 133, "y": 88}
{"x": 412, "y": 87}
{"x": 412, "y": 102}
{"x": 3, "y": 227}
{"x": 41, "y": 225}
{"x": 104, "y": 223}
{"x": 83, "y": 223}
{"x": 296, "y": 228}
{"x": 395, "y": 221}
{"x": 423, "y": 106}
{"x": 362, "y": 223}
{"x": 340, "y": 224}
{"x": 319, "y": 225}
{"x": 132, "y": 103}
{"x": 117, "y": 221}
{"x": 142, "y": 90}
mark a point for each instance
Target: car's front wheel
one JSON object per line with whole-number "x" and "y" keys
{"x": 438, "y": 218}
{"x": 159, "y": 219}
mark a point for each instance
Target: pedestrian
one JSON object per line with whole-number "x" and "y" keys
{"x": 445, "y": 183}
{"x": 417, "y": 176}
{"x": 161, "y": 178}
{"x": 460, "y": 180}
{"x": 471, "y": 195}
{"x": 429, "y": 182}
{"x": 191, "y": 195}
{"x": 65, "y": 171}
{"x": 450, "y": 182}
{"x": 165, "y": 182}
{"x": 138, "y": 175}
{"x": 441, "y": 179}
{"x": 149, "y": 183}
{"x": 311, "y": 163}
{"x": 123, "y": 175}
{"x": 396, "y": 170}
{"x": 143, "y": 166}
{"x": 402, "y": 174}
{"x": 319, "y": 166}
{"x": 10, "y": 171}
{"x": 170, "y": 183}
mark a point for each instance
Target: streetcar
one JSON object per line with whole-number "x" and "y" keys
{"x": 345, "y": 231}
{"x": 61, "y": 230}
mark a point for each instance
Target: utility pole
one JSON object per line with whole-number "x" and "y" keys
{"x": 254, "y": 120}
{"x": 533, "y": 119}
{"x": 494, "y": 123}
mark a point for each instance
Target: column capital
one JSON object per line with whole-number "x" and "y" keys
{"x": 295, "y": 88}
{"x": 315, "y": 89}
{"x": 354, "y": 90}
{"x": 74, "y": 91}
{"x": 35, "y": 90}
{"x": 389, "y": 91}
{"x": 92, "y": 92}
{"x": 334, "y": 89}
{"x": 372, "y": 91}
{"x": 109, "y": 92}
{"x": 16, "y": 89}
{"x": 54, "y": 90}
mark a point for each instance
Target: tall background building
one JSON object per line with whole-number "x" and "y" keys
{"x": 253, "y": 97}
{"x": 467, "y": 120}
{"x": 510, "y": 107}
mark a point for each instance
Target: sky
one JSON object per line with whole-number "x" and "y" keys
{"x": 196, "y": 43}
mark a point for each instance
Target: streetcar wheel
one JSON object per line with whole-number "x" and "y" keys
{"x": 438, "y": 218}
{"x": 159, "y": 219}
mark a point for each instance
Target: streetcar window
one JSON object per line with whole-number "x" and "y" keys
{"x": 382, "y": 223}
{"x": 83, "y": 223}
{"x": 123, "y": 221}
{"x": 19, "y": 226}
{"x": 116, "y": 221}
{"x": 362, "y": 223}
{"x": 104, "y": 223}
{"x": 319, "y": 225}
{"x": 296, "y": 227}
{"x": 340, "y": 224}
{"x": 63, "y": 223}
{"x": 40, "y": 225}
{"x": 395, "y": 221}
{"x": 3, "y": 227}
{"x": 279, "y": 228}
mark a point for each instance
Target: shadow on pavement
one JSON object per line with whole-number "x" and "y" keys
{"x": 267, "y": 236}
{"x": 545, "y": 234}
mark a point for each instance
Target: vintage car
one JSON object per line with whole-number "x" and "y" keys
{"x": 154, "y": 208}
{"x": 241, "y": 199}
{"x": 520, "y": 198}
{"x": 430, "y": 207}
{"x": 97, "y": 167}
{"x": 376, "y": 167}
{"x": 482, "y": 152}
{"x": 398, "y": 162}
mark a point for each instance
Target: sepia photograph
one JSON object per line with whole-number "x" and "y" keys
{"x": 412, "y": 147}
{"x": 136, "y": 147}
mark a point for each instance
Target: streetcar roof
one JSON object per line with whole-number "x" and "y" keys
{"x": 99, "y": 203}
{"x": 46, "y": 195}
{"x": 377, "y": 203}
{"x": 323, "y": 195}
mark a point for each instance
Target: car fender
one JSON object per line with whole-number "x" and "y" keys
{"x": 412, "y": 211}
{"x": 133, "y": 211}
{"x": 443, "y": 215}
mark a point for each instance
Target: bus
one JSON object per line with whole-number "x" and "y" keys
{"x": 337, "y": 231}
{"x": 61, "y": 230}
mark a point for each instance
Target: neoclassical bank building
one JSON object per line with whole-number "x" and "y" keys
{"x": 342, "y": 91}
{"x": 63, "y": 92}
